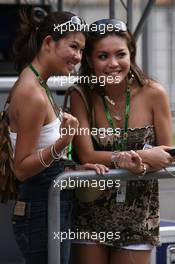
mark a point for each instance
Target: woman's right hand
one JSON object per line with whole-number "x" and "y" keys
{"x": 68, "y": 128}
{"x": 157, "y": 157}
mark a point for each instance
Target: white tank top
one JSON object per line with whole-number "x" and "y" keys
{"x": 48, "y": 135}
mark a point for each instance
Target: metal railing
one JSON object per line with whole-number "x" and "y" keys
{"x": 55, "y": 83}
{"x": 54, "y": 199}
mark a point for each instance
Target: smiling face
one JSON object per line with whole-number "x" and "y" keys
{"x": 110, "y": 58}
{"x": 66, "y": 53}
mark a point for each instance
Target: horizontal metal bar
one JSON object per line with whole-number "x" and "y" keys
{"x": 55, "y": 83}
{"x": 54, "y": 198}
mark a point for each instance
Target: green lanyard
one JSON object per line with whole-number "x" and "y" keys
{"x": 44, "y": 85}
{"x": 51, "y": 99}
{"x": 121, "y": 141}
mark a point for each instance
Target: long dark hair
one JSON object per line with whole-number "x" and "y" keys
{"x": 32, "y": 33}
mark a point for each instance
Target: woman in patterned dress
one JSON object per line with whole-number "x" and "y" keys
{"x": 136, "y": 109}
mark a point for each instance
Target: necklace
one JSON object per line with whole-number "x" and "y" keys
{"x": 110, "y": 100}
{"x": 120, "y": 142}
{"x": 113, "y": 104}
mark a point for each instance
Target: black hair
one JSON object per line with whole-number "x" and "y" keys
{"x": 32, "y": 33}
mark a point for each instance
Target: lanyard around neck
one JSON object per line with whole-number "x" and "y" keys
{"x": 51, "y": 99}
{"x": 127, "y": 109}
{"x": 44, "y": 85}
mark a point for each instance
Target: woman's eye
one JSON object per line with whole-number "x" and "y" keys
{"x": 122, "y": 54}
{"x": 102, "y": 56}
{"x": 74, "y": 46}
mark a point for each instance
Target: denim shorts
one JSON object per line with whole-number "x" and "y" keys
{"x": 30, "y": 224}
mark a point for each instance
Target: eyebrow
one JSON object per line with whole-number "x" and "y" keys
{"x": 104, "y": 51}
{"x": 77, "y": 43}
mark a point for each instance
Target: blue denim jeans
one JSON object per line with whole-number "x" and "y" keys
{"x": 31, "y": 229}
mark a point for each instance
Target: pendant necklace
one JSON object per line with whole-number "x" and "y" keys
{"x": 120, "y": 142}
{"x": 117, "y": 116}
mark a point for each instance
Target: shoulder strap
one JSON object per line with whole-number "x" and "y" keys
{"x": 4, "y": 112}
{"x": 82, "y": 94}
{"x": 7, "y": 102}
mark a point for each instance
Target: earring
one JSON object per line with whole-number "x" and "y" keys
{"x": 130, "y": 77}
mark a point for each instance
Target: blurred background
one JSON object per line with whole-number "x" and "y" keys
{"x": 155, "y": 33}
{"x": 153, "y": 24}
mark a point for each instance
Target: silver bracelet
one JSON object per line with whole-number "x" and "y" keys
{"x": 114, "y": 158}
{"x": 40, "y": 157}
{"x": 55, "y": 155}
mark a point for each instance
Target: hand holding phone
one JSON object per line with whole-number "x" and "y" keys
{"x": 171, "y": 152}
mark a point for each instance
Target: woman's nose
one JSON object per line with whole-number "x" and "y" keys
{"x": 78, "y": 56}
{"x": 113, "y": 62}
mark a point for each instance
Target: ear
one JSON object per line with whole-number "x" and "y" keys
{"x": 48, "y": 43}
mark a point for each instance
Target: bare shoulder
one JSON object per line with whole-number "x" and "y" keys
{"x": 76, "y": 93}
{"x": 154, "y": 89}
{"x": 78, "y": 103}
{"x": 28, "y": 92}
{"x": 77, "y": 98}
{"x": 27, "y": 100}
{"x": 153, "y": 92}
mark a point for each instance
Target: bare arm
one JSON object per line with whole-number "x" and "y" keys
{"x": 83, "y": 143}
{"x": 84, "y": 146}
{"x": 32, "y": 111}
{"x": 158, "y": 157}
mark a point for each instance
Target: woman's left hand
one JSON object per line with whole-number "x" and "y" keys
{"x": 99, "y": 168}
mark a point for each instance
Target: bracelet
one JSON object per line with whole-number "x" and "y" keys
{"x": 147, "y": 146}
{"x": 54, "y": 154}
{"x": 40, "y": 157}
{"x": 57, "y": 156}
{"x": 114, "y": 158}
{"x": 143, "y": 172}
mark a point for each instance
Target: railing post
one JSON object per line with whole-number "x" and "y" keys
{"x": 54, "y": 199}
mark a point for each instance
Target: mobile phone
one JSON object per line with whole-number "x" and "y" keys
{"x": 171, "y": 151}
